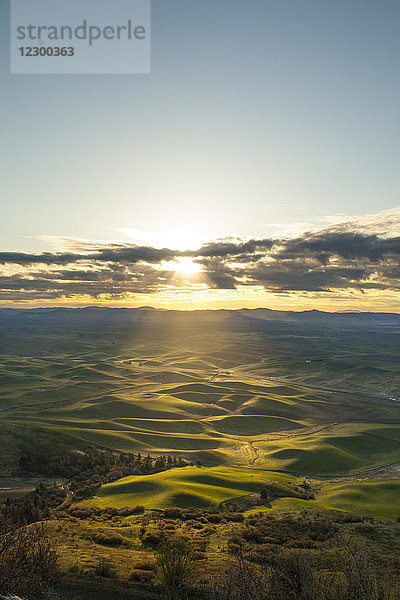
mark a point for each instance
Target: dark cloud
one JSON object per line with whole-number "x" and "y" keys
{"x": 297, "y": 277}
{"x": 117, "y": 254}
{"x": 46, "y": 258}
{"x": 221, "y": 281}
{"x": 233, "y": 248}
{"x": 347, "y": 245}
{"x": 330, "y": 260}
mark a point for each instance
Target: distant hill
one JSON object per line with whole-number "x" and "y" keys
{"x": 147, "y": 314}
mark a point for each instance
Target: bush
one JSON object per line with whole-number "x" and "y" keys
{"x": 109, "y": 539}
{"x": 145, "y": 565}
{"x": 76, "y": 570}
{"x": 28, "y": 562}
{"x": 140, "y": 575}
{"x": 214, "y": 518}
{"x": 241, "y": 581}
{"x": 105, "y": 569}
{"x": 176, "y": 563}
{"x": 173, "y": 513}
{"x": 151, "y": 537}
{"x": 288, "y": 530}
{"x": 127, "y": 511}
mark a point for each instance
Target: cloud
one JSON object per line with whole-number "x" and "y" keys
{"x": 46, "y": 258}
{"x": 117, "y": 253}
{"x": 346, "y": 245}
{"x": 225, "y": 248}
{"x": 357, "y": 255}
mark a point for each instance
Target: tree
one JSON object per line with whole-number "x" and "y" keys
{"x": 265, "y": 496}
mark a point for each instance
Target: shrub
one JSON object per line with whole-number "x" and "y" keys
{"x": 151, "y": 537}
{"x": 214, "y": 518}
{"x": 145, "y": 565}
{"x": 109, "y": 539}
{"x": 241, "y": 581}
{"x": 173, "y": 513}
{"x": 140, "y": 575}
{"x": 300, "y": 543}
{"x": 127, "y": 512}
{"x": 176, "y": 563}
{"x": 28, "y": 562}
{"x": 365, "y": 528}
{"x": 105, "y": 569}
{"x": 76, "y": 570}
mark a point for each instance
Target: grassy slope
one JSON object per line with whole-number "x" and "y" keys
{"x": 119, "y": 405}
{"x": 207, "y": 487}
{"x": 379, "y": 498}
{"x": 365, "y": 498}
{"x": 341, "y": 449}
{"x": 190, "y": 486}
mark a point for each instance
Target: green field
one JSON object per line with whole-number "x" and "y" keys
{"x": 243, "y": 396}
{"x": 378, "y": 498}
{"x": 340, "y": 449}
{"x": 191, "y": 486}
{"x": 202, "y": 419}
{"x": 196, "y": 487}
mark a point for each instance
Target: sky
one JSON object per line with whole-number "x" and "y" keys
{"x": 256, "y": 165}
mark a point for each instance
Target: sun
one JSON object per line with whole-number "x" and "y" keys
{"x": 186, "y": 265}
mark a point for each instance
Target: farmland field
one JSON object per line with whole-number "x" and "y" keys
{"x": 249, "y": 396}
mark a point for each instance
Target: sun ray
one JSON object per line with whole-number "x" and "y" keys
{"x": 187, "y": 265}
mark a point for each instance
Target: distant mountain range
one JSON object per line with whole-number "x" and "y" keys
{"x": 148, "y": 314}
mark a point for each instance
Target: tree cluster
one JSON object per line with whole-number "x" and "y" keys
{"x": 88, "y": 470}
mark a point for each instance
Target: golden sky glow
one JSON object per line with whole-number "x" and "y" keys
{"x": 349, "y": 265}
{"x": 209, "y": 300}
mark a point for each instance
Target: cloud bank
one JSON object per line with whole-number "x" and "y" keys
{"x": 355, "y": 255}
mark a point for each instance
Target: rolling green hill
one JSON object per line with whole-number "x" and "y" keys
{"x": 378, "y": 498}
{"x": 190, "y": 486}
{"x": 340, "y": 449}
{"x": 226, "y": 388}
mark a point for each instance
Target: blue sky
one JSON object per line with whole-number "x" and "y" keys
{"x": 258, "y": 116}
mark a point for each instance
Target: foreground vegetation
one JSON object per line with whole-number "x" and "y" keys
{"x": 209, "y": 554}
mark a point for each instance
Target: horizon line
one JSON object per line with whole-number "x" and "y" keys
{"x": 348, "y": 312}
